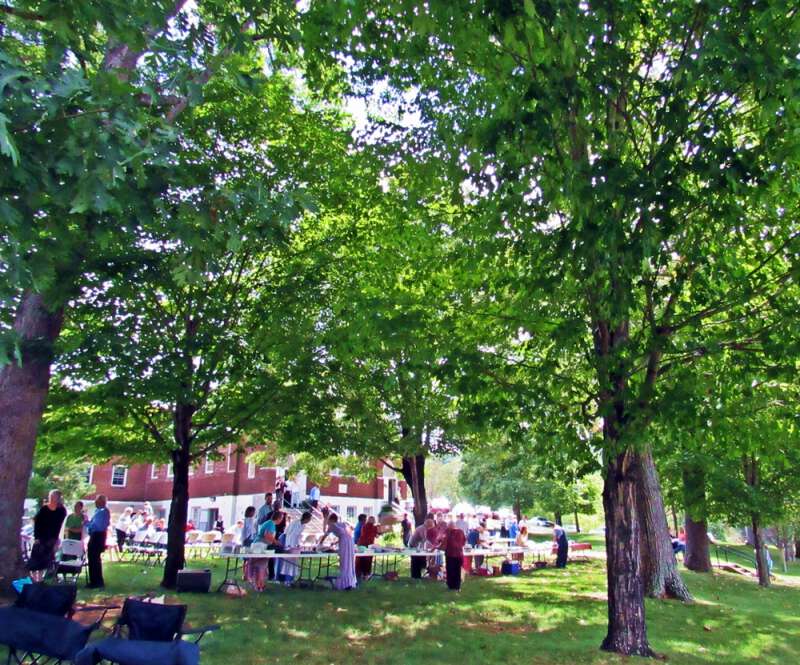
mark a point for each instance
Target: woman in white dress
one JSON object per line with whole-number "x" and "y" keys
{"x": 347, "y": 553}
{"x": 293, "y": 536}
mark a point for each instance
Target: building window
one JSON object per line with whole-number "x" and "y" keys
{"x": 337, "y": 510}
{"x": 88, "y": 473}
{"x": 170, "y": 474}
{"x": 342, "y": 488}
{"x": 209, "y": 465}
{"x": 119, "y": 475}
{"x": 154, "y": 471}
{"x": 351, "y": 512}
{"x": 251, "y": 470}
{"x": 368, "y": 510}
{"x": 231, "y": 459}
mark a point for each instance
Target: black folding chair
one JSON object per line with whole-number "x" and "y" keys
{"x": 38, "y": 628}
{"x": 145, "y": 634}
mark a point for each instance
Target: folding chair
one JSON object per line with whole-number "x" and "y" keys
{"x": 70, "y": 560}
{"x": 191, "y": 544}
{"x": 147, "y": 633}
{"x": 159, "y": 548}
{"x": 135, "y": 546}
{"x": 38, "y": 628}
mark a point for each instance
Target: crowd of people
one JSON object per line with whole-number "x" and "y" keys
{"x": 46, "y": 537}
{"x": 442, "y": 538}
{"x": 271, "y": 528}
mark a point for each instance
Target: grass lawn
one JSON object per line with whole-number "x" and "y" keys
{"x": 539, "y": 617}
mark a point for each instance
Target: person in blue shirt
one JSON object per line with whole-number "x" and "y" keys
{"x": 268, "y": 533}
{"x": 97, "y": 528}
{"x": 362, "y": 518}
{"x": 313, "y": 496}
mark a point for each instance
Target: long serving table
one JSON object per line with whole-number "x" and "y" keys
{"x": 315, "y": 566}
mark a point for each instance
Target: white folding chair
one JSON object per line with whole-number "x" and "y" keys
{"x": 71, "y": 559}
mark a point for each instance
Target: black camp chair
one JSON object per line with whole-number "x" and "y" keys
{"x": 147, "y": 633}
{"x": 38, "y": 628}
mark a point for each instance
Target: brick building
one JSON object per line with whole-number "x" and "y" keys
{"x": 223, "y": 488}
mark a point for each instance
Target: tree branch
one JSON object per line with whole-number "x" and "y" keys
{"x": 19, "y": 13}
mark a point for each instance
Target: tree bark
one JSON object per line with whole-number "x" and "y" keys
{"x": 674, "y": 521}
{"x": 577, "y": 523}
{"x": 179, "y": 505}
{"x": 627, "y": 630}
{"x": 750, "y": 468}
{"x": 517, "y": 510}
{"x": 659, "y": 567}
{"x": 23, "y": 396}
{"x": 558, "y": 518}
{"x": 698, "y": 555}
{"x": 797, "y": 549}
{"x": 761, "y": 559}
{"x": 414, "y": 474}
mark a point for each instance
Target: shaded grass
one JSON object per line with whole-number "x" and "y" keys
{"x": 539, "y": 617}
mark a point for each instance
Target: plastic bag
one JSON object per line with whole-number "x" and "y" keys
{"x": 21, "y": 582}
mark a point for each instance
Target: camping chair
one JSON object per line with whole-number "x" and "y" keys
{"x": 70, "y": 560}
{"x": 147, "y": 633}
{"x": 38, "y": 628}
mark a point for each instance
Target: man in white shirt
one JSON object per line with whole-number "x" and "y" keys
{"x": 313, "y": 496}
{"x": 461, "y": 523}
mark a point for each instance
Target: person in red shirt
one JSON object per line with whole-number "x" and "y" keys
{"x": 369, "y": 532}
{"x": 453, "y": 546}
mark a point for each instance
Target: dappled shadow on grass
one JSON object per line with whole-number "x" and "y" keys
{"x": 538, "y": 617}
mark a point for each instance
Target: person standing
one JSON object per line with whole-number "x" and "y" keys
{"x": 347, "y": 555}
{"x": 46, "y": 532}
{"x": 362, "y": 519}
{"x": 265, "y": 512}
{"x": 313, "y": 496}
{"x": 75, "y": 522}
{"x": 521, "y": 540}
{"x": 562, "y": 545}
{"x": 289, "y": 569}
{"x": 123, "y": 526}
{"x": 269, "y": 532}
{"x": 453, "y": 546}
{"x": 417, "y": 542}
{"x": 98, "y": 526}
{"x": 405, "y": 525}
{"x": 461, "y": 523}
{"x": 369, "y": 532}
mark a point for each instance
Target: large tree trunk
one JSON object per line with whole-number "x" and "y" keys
{"x": 414, "y": 475}
{"x": 751, "y": 476}
{"x": 178, "y": 514}
{"x": 761, "y": 559}
{"x": 698, "y": 555}
{"x": 577, "y": 523}
{"x": 659, "y": 567}
{"x": 517, "y": 510}
{"x": 179, "y": 506}
{"x": 23, "y": 396}
{"x": 627, "y": 630}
